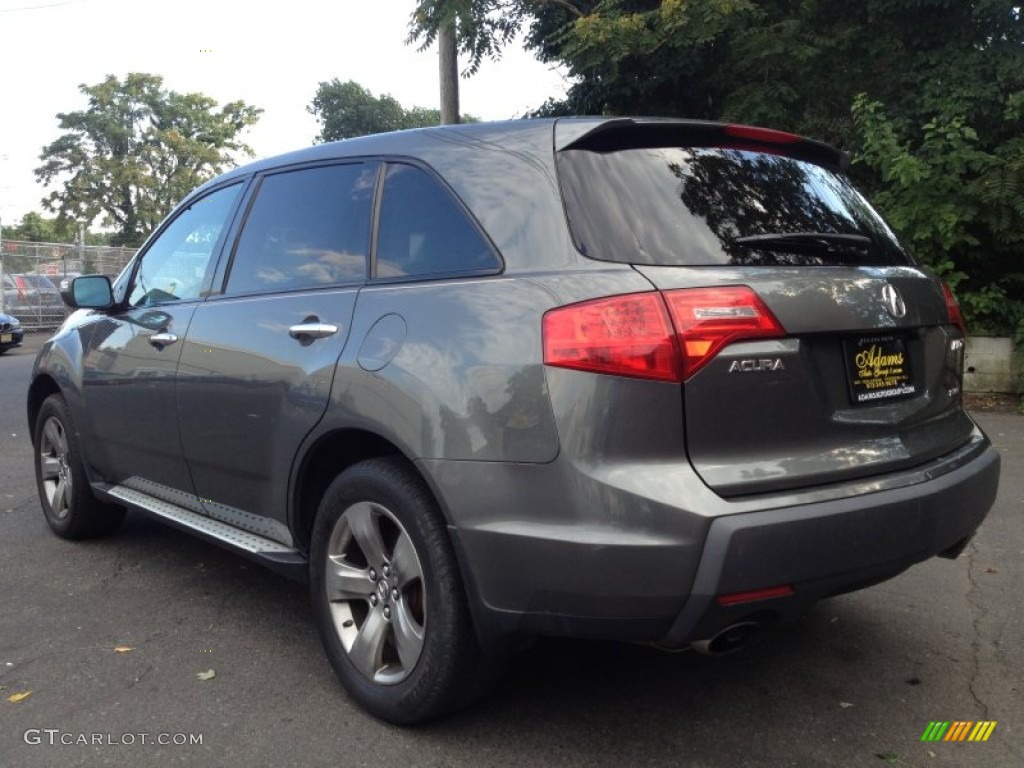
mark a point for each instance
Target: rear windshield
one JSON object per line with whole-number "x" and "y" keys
{"x": 672, "y": 206}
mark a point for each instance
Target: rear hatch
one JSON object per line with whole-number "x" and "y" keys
{"x": 813, "y": 349}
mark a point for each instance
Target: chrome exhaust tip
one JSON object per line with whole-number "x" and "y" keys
{"x": 729, "y": 640}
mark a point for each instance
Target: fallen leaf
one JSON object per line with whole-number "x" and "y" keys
{"x": 19, "y": 697}
{"x": 123, "y": 649}
{"x": 207, "y": 675}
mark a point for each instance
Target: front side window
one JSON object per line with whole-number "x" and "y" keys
{"x": 424, "y": 232}
{"x": 308, "y": 228}
{"x": 173, "y": 267}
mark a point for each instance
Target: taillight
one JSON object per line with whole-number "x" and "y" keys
{"x": 626, "y": 335}
{"x": 708, "y": 319}
{"x": 633, "y": 335}
{"x": 953, "y": 309}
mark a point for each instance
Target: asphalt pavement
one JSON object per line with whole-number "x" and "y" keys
{"x": 109, "y": 639}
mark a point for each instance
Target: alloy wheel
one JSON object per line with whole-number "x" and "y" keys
{"x": 55, "y": 469}
{"x": 374, "y": 587}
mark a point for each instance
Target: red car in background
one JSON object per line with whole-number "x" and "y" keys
{"x": 33, "y": 298}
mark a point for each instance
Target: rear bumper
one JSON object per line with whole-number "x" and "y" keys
{"x": 826, "y": 549}
{"x": 610, "y": 552}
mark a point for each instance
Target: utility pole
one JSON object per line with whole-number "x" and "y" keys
{"x": 1, "y": 265}
{"x": 81, "y": 252}
{"x": 449, "y": 73}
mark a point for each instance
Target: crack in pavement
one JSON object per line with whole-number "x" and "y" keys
{"x": 974, "y": 599}
{"x": 121, "y": 566}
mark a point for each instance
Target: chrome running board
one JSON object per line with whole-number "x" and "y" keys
{"x": 272, "y": 553}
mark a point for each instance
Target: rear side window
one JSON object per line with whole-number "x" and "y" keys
{"x": 306, "y": 229}
{"x": 686, "y": 206}
{"x": 423, "y": 231}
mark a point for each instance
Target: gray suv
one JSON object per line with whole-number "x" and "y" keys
{"x": 649, "y": 380}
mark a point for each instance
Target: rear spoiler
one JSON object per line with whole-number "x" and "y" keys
{"x": 633, "y": 133}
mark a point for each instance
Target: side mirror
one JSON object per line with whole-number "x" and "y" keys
{"x": 90, "y": 292}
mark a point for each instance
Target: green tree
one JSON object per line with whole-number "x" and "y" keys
{"x": 136, "y": 150}
{"x": 794, "y": 64}
{"x": 478, "y": 28}
{"x": 482, "y": 27}
{"x": 638, "y": 56}
{"x": 959, "y": 205}
{"x": 36, "y": 228}
{"x": 345, "y": 110}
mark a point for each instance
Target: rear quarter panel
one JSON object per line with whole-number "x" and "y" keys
{"x": 461, "y": 375}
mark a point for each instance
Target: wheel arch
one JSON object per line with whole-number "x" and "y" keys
{"x": 329, "y": 456}
{"x": 41, "y": 388}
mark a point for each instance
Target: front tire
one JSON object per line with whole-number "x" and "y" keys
{"x": 69, "y": 506}
{"x": 388, "y": 598}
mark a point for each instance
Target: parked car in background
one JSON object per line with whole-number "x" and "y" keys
{"x": 34, "y": 298}
{"x": 661, "y": 381}
{"x": 11, "y": 332}
{"x": 64, "y": 285}
{"x": 10, "y": 291}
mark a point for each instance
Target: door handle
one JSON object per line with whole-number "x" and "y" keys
{"x": 311, "y": 331}
{"x": 162, "y": 339}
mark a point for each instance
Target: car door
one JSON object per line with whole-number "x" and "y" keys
{"x": 257, "y": 366}
{"x": 130, "y": 354}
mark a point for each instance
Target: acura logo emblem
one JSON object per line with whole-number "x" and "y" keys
{"x": 893, "y": 301}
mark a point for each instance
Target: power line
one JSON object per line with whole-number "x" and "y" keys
{"x": 39, "y": 7}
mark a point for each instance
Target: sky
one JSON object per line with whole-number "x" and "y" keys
{"x": 270, "y": 54}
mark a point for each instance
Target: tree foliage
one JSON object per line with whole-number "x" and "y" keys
{"x": 345, "y": 110}
{"x": 136, "y": 150}
{"x": 482, "y": 27}
{"x": 958, "y": 202}
{"x": 36, "y": 228}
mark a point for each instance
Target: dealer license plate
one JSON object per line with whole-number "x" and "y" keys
{"x": 878, "y": 369}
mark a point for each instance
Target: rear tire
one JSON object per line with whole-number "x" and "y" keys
{"x": 70, "y": 508}
{"x": 388, "y": 598}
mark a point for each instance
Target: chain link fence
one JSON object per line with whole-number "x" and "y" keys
{"x": 34, "y": 274}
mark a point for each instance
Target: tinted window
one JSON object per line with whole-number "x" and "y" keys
{"x": 306, "y": 229}
{"x": 692, "y": 206}
{"x": 173, "y": 267}
{"x": 423, "y": 231}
